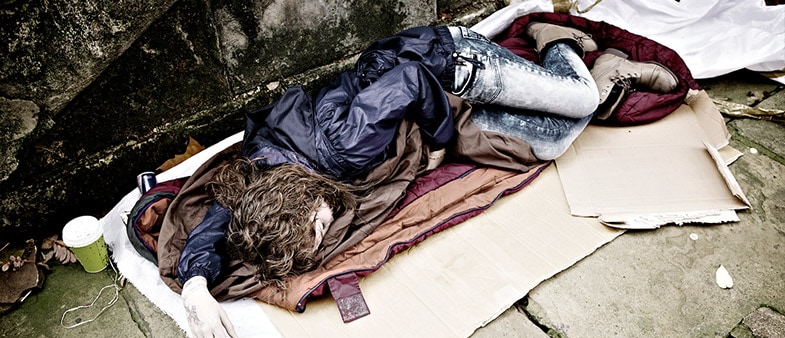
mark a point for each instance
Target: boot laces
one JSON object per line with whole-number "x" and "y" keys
{"x": 624, "y": 80}
{"x": 580, "y": 37}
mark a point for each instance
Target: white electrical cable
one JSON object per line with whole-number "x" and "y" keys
{"x": 117, "y": 287}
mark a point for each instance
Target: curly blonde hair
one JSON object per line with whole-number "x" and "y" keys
{"x": 272, "y": 223}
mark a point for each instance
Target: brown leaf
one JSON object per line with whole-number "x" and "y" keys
{"x": 63, "y": 253}
{"x": 47, "y": 243}
{"x": 59, "y": 253}
{"x": 45, "y": 257}
{"x": 191, "y": 149}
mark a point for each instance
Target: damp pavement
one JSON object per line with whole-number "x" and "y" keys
{"x": 654, "y": 283}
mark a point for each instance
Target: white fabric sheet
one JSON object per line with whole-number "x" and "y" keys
{"x": 248, "y": 318}
{"x": 714, "y": 37}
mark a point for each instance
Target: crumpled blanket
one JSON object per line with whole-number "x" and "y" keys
{"x": 714, "y": 37}
{"x": 753, "y": 34}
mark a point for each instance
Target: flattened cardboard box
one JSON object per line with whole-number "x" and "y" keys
{"x": 643, "y": 177}
{"x": 462, "y": 278}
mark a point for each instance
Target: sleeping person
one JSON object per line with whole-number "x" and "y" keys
{"x": 302, "y": 153}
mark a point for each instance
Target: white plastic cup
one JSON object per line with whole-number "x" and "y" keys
{"x": 85, "y": 236}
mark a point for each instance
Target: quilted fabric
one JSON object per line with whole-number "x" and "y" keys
{"x": 640, "y": 107}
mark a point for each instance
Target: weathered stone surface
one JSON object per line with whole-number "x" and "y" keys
{"x": 169, "y": 76}
{"x": 18, "y": 118}
{"x": 767, "y": 136}
{"x": 51, "y": 50}
{"x": 511, "y": 323}
{"x": 193, "y": 72}
{"x": 749, "y": 90}
{"x": 775, "y": 101}
{"x": 69, "y": 286}
{"x": 766, "y": 323}
{"x": 264, "y": 40}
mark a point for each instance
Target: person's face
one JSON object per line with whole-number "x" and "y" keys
{"x": 323, "y": 217}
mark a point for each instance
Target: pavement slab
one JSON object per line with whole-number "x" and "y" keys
{"x": 766, "y": 322}
{"x": 69, "y": 286}
{"x": 662, "y": 282}
{"x": 512, "y": 323}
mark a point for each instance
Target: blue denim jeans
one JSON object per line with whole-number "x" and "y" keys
{"x": 546, "y": 105}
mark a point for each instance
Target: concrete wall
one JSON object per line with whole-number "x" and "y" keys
{"x": 93, "y": 92}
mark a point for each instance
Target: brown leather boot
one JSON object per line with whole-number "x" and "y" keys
{"x": 546, "y": 34}
{"x": 615, "y": 77}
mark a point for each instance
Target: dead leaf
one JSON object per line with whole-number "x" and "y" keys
{"x": 63, "y": 253}
{"x": 47, "y": 243}
{"x": 190, "y": 150}
{"x": 44, "y": 266}
{"x": 45, "y": 257}
{"x": 733, "y": 109}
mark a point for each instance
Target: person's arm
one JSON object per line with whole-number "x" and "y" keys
{"x": 205, "y": 316}
{"x": 369, "y": 118}
{"x": 427, "y": 103}
{"x": 200, "y": 265}
{"x": 420, "y": 97}
{"x": 200, "y": 256}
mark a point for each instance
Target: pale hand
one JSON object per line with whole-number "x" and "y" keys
{"x": 206, "y": 317}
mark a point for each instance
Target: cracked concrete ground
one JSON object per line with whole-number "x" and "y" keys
{"x": 656, "y": 283}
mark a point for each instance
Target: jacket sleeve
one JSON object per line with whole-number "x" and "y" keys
{"x": 409, "y": 90}
{"x": 202, "y": 254}
{"x": 359, "y": 125}
{"x": 430, "y": 108}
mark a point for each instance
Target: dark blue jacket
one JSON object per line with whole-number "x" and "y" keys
{"x": 345, "y": 130}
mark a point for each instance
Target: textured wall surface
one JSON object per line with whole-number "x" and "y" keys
{"x": 50, "y": 52}
{"x": 94, "y": 92}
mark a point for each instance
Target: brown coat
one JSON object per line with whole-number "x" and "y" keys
{"x": 362, "y": 240}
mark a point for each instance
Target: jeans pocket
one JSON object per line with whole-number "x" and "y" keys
{"x": 464, "y": 75}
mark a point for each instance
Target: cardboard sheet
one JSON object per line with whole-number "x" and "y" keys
{"x": 632, "y": 177}
{"x": 465, "y": 276}
{"x": 462, "y": 278}
{"x": 647, "y": 176}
